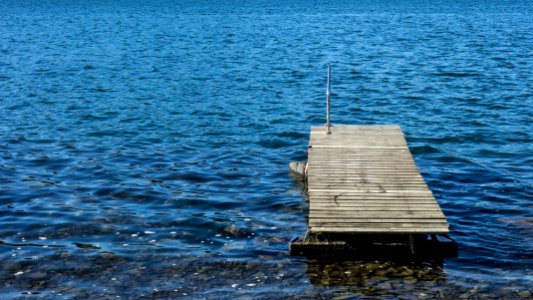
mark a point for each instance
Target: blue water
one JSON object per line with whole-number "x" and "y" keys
{"x": 144, "y": 145}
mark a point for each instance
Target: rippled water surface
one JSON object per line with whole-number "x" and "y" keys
{"x": 144, "y": 145}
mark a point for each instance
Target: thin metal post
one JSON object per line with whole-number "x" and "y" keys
{"x": 328, "y": 123}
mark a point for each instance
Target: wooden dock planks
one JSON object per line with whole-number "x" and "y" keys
{"x": 362, "y": 179}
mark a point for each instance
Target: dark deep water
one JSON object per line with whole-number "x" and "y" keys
{"x": 144, "y": 147}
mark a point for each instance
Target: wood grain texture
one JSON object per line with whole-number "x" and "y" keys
{"x": 363, "y": 179}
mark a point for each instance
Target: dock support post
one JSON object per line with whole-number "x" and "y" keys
{"x": 412, "y": 245}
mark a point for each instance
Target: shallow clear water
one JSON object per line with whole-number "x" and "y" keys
{"x": 144, "y": 148}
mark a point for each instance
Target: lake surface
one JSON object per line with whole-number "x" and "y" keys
{"x": 144, "y": 145}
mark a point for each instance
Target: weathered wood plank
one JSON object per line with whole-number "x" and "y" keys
{"x": 346, "y": 192}
{"x": 369, "y": 214}
{"x": 364, "y": 171}
{"x": 374, "y": 188}
{"x": 382, "y": 223}
{"x": 358, "y": 181}
{"x": 375, "y": 201}
{"x": 344, "y": 177}
{"x": 370, "y": 197}
{"x": 358, "y": 209}
{"x": 330, "y": 182}
{"x": 380, "y": 230}
{"x": 420, "y": 205}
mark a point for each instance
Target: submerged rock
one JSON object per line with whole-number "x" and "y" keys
{"x": 232, "y": 229}
{"x": 86, "y": 246}
{"x": 525, "y": 295}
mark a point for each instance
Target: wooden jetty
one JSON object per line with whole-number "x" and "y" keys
{"x": 364, "y": 189}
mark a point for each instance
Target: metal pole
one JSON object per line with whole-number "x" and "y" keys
{"x": 328, "y": 123}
